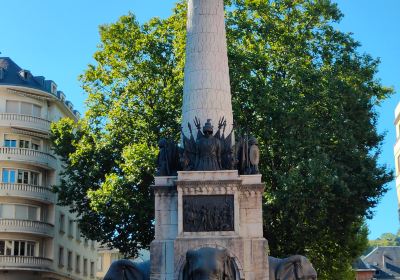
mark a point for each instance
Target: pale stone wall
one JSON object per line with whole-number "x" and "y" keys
{"x": 245, "y": 244}
{"x": 207, "y": 93}
{"x": 49, "y": 238}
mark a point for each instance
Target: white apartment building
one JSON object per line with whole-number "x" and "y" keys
{"x": 397, "y": 153}
{"x": 38, "y": 239}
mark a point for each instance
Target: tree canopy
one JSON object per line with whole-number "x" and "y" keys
{"x": 299, "y": 85}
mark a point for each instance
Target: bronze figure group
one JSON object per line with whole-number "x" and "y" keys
{"x": 209, "y": 152}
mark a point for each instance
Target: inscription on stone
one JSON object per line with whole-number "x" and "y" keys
{"x": 205, "y": 213}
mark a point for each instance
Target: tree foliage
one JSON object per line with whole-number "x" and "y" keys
{"x": 298, "y": 84}
{"x": 386, "y": 239}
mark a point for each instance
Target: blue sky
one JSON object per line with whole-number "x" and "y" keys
{"x": 57, "y": 39}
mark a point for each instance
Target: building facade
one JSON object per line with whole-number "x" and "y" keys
{"x": 38, "y": 238}
{"x": 397, "y": 153}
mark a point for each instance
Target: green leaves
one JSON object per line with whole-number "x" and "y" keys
{"x": 298, "y": 84}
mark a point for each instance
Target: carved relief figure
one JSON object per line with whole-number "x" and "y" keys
{"x": 208, "y": 213}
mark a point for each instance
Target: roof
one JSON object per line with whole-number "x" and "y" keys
{"x": 386, "y": 260}
{"x": 13, "y": 75}
{"x": 360, "y": 264}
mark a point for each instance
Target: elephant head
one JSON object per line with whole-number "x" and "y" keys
{"x": 293, "y": 268}
{"x": 208, "y": 264}
{"x": 128, "y": 270}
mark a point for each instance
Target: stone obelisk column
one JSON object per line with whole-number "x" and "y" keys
{"x": 207, "y": 93}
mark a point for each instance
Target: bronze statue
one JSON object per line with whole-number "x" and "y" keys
{"x": 128, "y": 270}
{"x": 168, "y": 158}
{"x": 208, "y": 152}
{"x": 248, "y": 155}
{"x": 292, "y": 268}
{"x": 209, "y": 264}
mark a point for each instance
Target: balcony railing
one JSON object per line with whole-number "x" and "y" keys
{"x": 42, "y": 159}
{"x": 27, "y": 226}
{"x": 38, "y": 263}
{"x": 39, "y": 193}
{"x": 24, "y": 121}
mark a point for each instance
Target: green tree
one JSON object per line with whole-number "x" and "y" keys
{"x": 386, "y": 239}
{"x": 298, "y": 84}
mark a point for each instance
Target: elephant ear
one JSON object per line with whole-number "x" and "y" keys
{"x": 290, "y": 269}
{"x": 125, "y": 270}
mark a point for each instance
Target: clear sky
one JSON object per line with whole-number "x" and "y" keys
{"x": 57, "y": 39}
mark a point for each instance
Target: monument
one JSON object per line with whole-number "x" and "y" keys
{"x": 208, "y": 203}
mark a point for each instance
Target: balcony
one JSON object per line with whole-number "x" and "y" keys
{"x": 27, "y": 226}
{"x": 38, "y": 193}
{"x": 25, "y": 121}
{"x": 41, "y": 159}
{"x": 19, "y": 262}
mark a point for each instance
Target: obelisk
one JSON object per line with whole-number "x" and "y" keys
{"x": 207, "y": 92}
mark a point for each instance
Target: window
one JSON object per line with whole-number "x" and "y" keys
{"x": 85, "y": 268}
{"x": 24, "y": 144}
{"x": 78, "y": 264}
{"x": 20, "y": 176}
{"x": 17, "y": 248}
{"x": 69, "y": 260}
{"x": 61, "y": 256}
{"x": 91, "y": 269}
{"x": 34, "y": 178}
{"x": 8, "y": 175}
{"x": 35, "y": 144}
{"x": 30, "y": 249}
{"x": 100, "y": 263}
{"x": 6, "y": 211}
{"x": 9, "y": 141}
{"x": 36, "y": 110}
{"x": 12, "y": 107}
{"x": 78, "y": 233}
{"x": 24, "y": 108}
{"x": 21, "y": 212}
{"x": 70, "y": 228}
{"x": 23, "y": 177}
{"x": 62, "y": 223}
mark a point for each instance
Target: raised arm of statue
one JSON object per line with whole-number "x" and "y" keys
{"x": 219, "y": 154}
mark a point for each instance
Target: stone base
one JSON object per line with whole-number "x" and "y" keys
{"x": 245, "y": 244}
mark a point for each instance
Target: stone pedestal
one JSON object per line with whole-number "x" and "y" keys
{"x": 234, "y": 201}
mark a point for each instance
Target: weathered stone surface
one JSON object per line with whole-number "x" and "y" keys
{"x": 245, "y": 244}
{"x": 207, "y": 92}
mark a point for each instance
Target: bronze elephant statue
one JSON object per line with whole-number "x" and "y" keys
{"x": 128, "y": 270}
{"x": 292, "y": 268}
{"x": 209, "y": 264}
